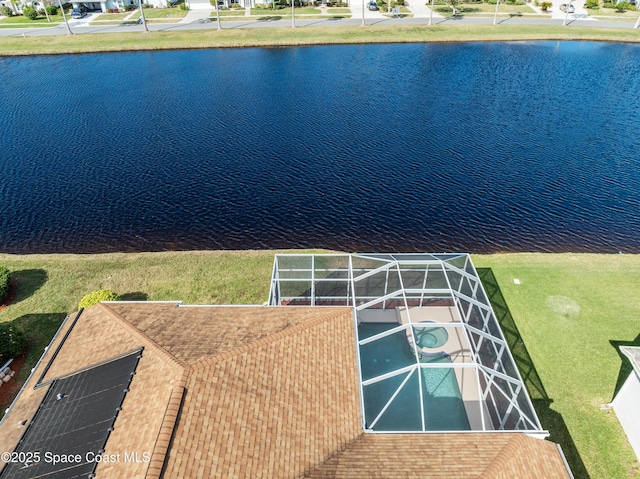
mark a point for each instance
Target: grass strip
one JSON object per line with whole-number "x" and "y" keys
{"x": 261, "y": 37}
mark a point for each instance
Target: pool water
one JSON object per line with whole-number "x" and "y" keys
{"x": 443, "y": 406}
{"x": 430, "y": 337}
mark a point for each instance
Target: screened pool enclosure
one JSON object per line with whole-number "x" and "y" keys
{"x": 431, "y": 353}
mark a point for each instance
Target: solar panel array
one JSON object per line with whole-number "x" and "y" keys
{"x": 73, "y": 423}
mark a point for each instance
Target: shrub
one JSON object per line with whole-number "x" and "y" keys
{"x": 52, "y": 10}
{"x": 4, "y": 282}
{"x": 544, "y": 6}
{"x": 6, "y": 11}
{"x": 623, "y": 6}
{"x": 29, "y": 12}
{"x": 183, "y": 6}
{"x": 96, "y": 296}
{"x": 12, "y": 342}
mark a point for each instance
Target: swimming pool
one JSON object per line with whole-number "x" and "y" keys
{"x": 443, "y": 406}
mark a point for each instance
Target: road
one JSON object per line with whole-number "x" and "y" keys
{"x": 199, "y": 20}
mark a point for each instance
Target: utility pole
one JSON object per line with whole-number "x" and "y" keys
{"x": 65, "y": 18}
{"x": 293, "y": 14}
{"x": 45, "y": 12}
{"x": 144, "y": 20}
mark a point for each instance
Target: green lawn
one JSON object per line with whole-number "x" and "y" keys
{"x": 570, "y": 310}
{"x": 613, "y": 14}
{"x": 568, "y": 313}
{"x": 22, "y": 21}
{"x": 111, "y": 16}
{"x": 161, "y": 13}
{"x": 228, "y": 13}
{"x": 285, "y": 11}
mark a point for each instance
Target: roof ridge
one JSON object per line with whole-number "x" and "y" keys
{"x": 149, "y": 342}
{"x": 342, "y": 448}
{"x": 165, "y": 434}
{"x": 506, "y": 454}
{"x": 289, "y": 331}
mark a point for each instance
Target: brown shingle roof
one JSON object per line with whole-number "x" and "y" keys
{"x": 257, "y": 392}
{"x": 193, "y": 333}
{"x": 272, "y": 408}
{"x": 475, "y": 455}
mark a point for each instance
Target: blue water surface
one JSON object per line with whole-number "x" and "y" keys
{"x": 475, "y": 147}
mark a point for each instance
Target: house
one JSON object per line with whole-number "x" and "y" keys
{"x": 161, "y": 389}
{"x": 120, "y": 5}
{"x": 625, "y": 404}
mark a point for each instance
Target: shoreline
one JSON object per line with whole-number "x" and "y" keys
{"x": 303, "y": 36}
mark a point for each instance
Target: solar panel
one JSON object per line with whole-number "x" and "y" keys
{"x": 73, "y": 423}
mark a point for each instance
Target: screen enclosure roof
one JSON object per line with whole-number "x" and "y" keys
{"x": 431, "y": 354}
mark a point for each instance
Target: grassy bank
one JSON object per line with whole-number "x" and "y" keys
{"x": 248, "y": 37}
{"x": 570, "y": 312}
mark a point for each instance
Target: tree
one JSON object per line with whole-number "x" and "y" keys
{"x": 29, "y": 12}
{"x": 622, "y": 6}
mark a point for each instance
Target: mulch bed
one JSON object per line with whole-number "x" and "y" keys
{"x": 9, "y": 390}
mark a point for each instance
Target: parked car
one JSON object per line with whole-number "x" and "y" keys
{"x": 373, "y": 6}
{"x": 77, "y": 13}
{"x": 567, "y": 7}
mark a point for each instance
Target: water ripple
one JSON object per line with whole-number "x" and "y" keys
{"x": 474, "y": 147}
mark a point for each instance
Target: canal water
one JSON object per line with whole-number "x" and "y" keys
{"x": 480, "y": 147}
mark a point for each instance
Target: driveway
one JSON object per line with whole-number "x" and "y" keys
{"x": 420, "y": 9}
{"x": 580, "y": 11}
